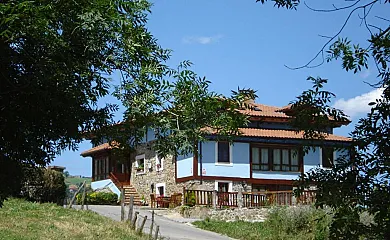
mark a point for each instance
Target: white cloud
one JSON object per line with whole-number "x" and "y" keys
{"x": 202, "y": 39}
{"x": 365, "y": 74}
{"x": 359, "y": 104}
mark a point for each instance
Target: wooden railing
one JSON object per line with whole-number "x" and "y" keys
{"x": 115, "y": 180}
{"x": 307, "y": 197}
{"x": 227, "y": 199}
{"x": 258, "y": 199}
{"x": 249, "y": 199}
{"x": 198, "y": 197}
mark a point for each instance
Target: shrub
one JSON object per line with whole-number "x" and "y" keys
{"x": 300, "y": 220}
{"x": 43, "y": 185}
{"x": 98, "y": 198}
{"x": 190, "y": 199}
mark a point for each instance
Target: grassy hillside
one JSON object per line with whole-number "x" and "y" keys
{"x": 76, "y": 180}
{"x": 24, "y": 220}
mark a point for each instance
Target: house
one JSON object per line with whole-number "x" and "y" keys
{"x": 267, "y": 156}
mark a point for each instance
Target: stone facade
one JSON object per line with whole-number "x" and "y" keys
{"x": 147, "y": 181}
{"x": 230, "y": 214}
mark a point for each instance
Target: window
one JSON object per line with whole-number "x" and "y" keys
{"x": 223, "y": 152}
{"x": 275, "y": 159}
{"x": 223, "y": 186}
{"x": 260, "y": 159}
{"x": 140, "y": 163}
{"x": 327, "y": 157}
{"x": 159, "y": 163}
{"x": 160, "y": 189}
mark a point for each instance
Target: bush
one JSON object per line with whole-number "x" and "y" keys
{"x": 43, "y": 185}
{"x": 302, "y": 220}
{"x": 98, "y": 198}
{"x": 190, "y": 199}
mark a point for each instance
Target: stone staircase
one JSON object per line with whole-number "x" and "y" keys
{"x": 131, "y": 191}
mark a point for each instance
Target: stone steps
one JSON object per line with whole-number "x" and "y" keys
{"x": 131, "y": 191}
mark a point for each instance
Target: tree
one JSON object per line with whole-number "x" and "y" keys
{"x": 66, "y": 174}
{"x": 180, "y": 109}
{"x": 360, "y": 180}
{"x": 55, "y": 63}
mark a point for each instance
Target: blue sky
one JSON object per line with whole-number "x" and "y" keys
{"x": 246, "y": 44}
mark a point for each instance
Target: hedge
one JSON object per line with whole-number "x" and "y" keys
{"x": 98, "y": 198}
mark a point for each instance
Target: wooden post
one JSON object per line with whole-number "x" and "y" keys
{"x": 131, "y": 205}
{"x": 122, "y": 204}
{"x": 83, "y": 198}
{"x": 74, "y": 196}
{"x": 151, "y": 226}
{"x": 240, "y": 201}
{"x": 183, "y": 200}
{"x": 156, "y": 233}
{"x": 134, "y": 221}
{"x": 215, "y": 199}
{"x": 142, "y": 225}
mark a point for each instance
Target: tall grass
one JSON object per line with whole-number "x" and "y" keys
{"x": 300, "y": 223}
{"x": 24, "y": 220}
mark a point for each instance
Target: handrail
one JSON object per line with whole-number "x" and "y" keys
{"x": 115, "y": 179}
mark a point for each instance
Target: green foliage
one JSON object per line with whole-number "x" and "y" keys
{"x": 56, "y": 59}
{"x": 190, "y": 199}
{"x": 98, "y": 198}
{"x": 299, "y": 223}
{"x": 43, "y": 185}
{"x": 66, "y": 174}
{"x": 181, "y": 109}
{"x": 360, "y": 180}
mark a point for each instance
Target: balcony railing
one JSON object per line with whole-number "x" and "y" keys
{"x": 247, "y": 199}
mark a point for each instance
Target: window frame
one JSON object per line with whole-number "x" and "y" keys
{"x": 157, "y": 186}
{"x": 230, "y": 163}
{"x": 332, "y": 162}
{"x": 136, "y": 164}
{"x": 270, "y": 163}
{"x": 159, "y": 160}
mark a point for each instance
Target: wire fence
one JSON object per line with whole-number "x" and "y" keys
{"x": 141, "y": 224}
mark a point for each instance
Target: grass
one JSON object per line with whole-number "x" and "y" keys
{"x": 77, "y": 181}
{"x": 304, "y": 223}
{"x": 22, "y": 220}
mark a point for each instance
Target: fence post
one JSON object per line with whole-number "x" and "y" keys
{"x": 122, "y": 204}
{"x": 83, "y": 198}
{"x": 74, "y": 196}
{"x": 130, "y": 215}
{"x": 156, "y": 233}
{"x": 134, "y": 222}
{"x": 183, "y": 201}
{"x": 240, "y": 200}
{"x": 215, "y": 199}
{"x": 151, "y": 226}
{"x": 142, "y": 225}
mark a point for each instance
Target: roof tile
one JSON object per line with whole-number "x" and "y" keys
{"x": 289, "y": 134}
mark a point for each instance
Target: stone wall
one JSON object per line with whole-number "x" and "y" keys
{"x": 146, "y": 182}
{"x": 231, "y": 214}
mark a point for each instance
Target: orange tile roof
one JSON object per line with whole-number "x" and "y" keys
{"x": 262, "y": 110}
{"x": 289, "y": 134}
{"x": 102, "y": 147}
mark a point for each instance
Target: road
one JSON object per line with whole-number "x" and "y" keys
{"x": 169, "y": 229}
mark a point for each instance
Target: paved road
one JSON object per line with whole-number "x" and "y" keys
{"x": 169, "y": 229}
